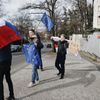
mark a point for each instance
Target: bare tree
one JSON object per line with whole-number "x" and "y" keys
{"x": 85, "y": 16}
{"x": 1, "y": 12}
{"x": 47, "y": 5}
{"x": 79, "y": 19}
{"x": 2, "y": 7}
{"x": 23, "y": 24}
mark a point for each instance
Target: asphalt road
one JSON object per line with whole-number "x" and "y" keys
{"x": 18, "y": 60}
{"x": 81, "y": 81}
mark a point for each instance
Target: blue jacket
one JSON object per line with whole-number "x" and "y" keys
{"x": 5, "y": 53}
{"x": 31, "y": 54}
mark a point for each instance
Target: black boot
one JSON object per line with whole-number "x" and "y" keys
{"x": 62, "y": 76}
{"x": 10, "y": 98}
{"x": 58, "y": 73}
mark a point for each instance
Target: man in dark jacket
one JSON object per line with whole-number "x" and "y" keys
{"x": 61, "y": 56}
{"x": 5, "y": 67}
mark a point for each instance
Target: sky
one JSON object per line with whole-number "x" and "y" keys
{"x": 13, "y": 5}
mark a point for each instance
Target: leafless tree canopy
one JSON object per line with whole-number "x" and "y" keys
{"x": 76, "y": 20}
{"x": 79, "y": 19}
{"x": 47, "y": 5}
{"x": 23, "y": 23}
{"x": 2, "y": 10}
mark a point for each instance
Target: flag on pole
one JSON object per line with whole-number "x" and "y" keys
{"x": 47, "y": 21}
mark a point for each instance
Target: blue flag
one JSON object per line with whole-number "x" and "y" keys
{"x": 47, "y": 21}
{"x": 31, "y": 54}
{"x": 25, "y": 51}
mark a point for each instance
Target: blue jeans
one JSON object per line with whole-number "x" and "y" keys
{"x": 35, "y": 75}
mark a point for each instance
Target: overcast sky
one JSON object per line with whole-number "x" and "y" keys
{"x": 13, "y": 5}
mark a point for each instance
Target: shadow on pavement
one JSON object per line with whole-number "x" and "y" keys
{"x": 79, "y": 76}
{"x": 73, "y": 63}
{"x": 98, "y": 67}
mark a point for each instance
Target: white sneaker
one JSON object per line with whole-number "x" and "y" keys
{"x": 31, "y": 84}
{"x": 37, "y": 82}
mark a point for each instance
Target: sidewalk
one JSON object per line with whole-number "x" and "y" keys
{"x": 91, "y": 58}
{"x": 81, "y": 82}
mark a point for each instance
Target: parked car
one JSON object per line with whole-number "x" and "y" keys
{"x": 15, "y": 48}
{"x": 49, "y": 45}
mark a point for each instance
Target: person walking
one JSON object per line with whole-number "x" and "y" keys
{"x": 39, "y": 45}
{"x": 61, "y": 56}
{"x": 33, "y": 58}
{"x": 5, "y": 68}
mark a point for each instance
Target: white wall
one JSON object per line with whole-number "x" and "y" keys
{"x": 96, "y": 15}
{"x": 92, "y": 45}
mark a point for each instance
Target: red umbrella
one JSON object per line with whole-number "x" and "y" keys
{"x": 8, "y": 33}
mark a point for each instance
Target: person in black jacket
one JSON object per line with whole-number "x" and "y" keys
{"x": 61, "y": 56}
{"x": 39, "y": 45}
{"x": 5, "y": 67}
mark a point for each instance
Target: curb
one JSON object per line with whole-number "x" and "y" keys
{"x": 91, "y": 58}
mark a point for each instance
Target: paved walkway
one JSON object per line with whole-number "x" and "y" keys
{"x": 81, "y": 82}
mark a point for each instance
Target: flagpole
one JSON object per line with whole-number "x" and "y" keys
{"x": 38, "y": 24}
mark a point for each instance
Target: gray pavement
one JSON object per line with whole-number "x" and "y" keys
{"x": 18, "y": 62}
{"x": 81, "y": 82}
